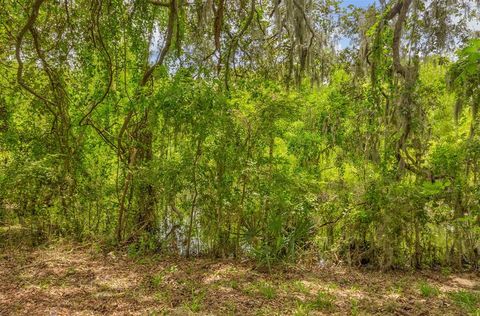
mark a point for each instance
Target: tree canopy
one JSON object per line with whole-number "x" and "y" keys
{"x": 243, "y": 128}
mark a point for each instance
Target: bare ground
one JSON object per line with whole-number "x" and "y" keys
{"x": 71, "y": 279}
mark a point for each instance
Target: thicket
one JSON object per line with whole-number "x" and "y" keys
{"x": 184, "y": 128}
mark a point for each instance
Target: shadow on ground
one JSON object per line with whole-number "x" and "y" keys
{"x": 71, "y": 279}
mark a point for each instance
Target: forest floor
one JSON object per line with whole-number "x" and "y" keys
{"x": 65, "y": 278}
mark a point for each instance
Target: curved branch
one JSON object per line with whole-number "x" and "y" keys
{"x": 18, "y": 51}
{"x": 148, "y": 73}
{"x": 397, "y": 35}
{"x": 394, "y": 10}
{"x": 168, "y": 42}
{"x": 101, "y": 134}
{"x": 110, "y": 67}
{"x": 233, "y": 47}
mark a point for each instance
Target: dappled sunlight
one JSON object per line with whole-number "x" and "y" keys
{"x": 252, "y": 157}
{"x": 66, "y": 279}
{"x": 224, "y": 272}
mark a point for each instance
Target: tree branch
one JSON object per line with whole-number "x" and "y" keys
{"x": 397, "y": 36}
{"x": 168, "y": 42}
{"x": 18, "y": 51}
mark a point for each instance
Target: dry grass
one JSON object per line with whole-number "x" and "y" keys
{"x": 69, "y": 279}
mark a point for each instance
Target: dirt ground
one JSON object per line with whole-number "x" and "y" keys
{"x": 72, "y": 279}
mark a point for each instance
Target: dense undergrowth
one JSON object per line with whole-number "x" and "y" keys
{"x": 103, "y": 139}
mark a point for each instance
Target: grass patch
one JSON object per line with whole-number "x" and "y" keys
{"x": 267, "y": 290}
{"x": 195, "y": 303}
{"x": 354, "y": 307}
{"x": 469, "y": 301}
{"x": 234, "y": 284}
{"x": 399, "y": 286}
{"x": 323, "y": 301}
{"x": 263, "y": 288}
{"x": 156, "y": 280}
{"x": 300, "y": 287}
{"x": 428, "y": 290}
{"x": 163, "y": 296}
{"x": 45, "y": 283}
{"x": 302, "y": 309}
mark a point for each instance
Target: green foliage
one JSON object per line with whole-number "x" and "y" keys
{"x": 180, "y": 148}
{"x": 469, "y": 301}
{"x": 428, "y": 290}
{"x": 196, "y": 301}
{"x": 267, "y": 290}
{"x": 301, "y": 309}
{"x": 323, "y": 301}
{"x": 464, "y": 79}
